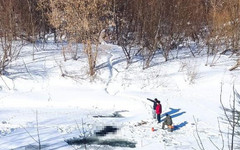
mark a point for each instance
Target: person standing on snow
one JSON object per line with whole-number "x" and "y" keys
{"x": 158, "y": 111}
{"x": 154, "y": 106}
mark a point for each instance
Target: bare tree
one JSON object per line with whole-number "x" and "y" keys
{"x": 92, "y": 54}
{"x": 10, "y": 48}
{"x": 138, "y": 28}
{"x": 127, "y": 28}
{"x": 157, "y": 25}
{"x": 232, "y": 115}
{"x": 81, "y": 21}
{"x": 232, "y": 118}
{"x": 223, "y": 28}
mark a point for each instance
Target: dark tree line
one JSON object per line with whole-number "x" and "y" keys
{"x": 140, "y": 27}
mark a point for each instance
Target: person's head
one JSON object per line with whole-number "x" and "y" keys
{"x": 167, "y": 115}
{"x": 158, "y": 102}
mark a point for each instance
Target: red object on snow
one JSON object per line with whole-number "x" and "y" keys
{"x": 152, "y": 129}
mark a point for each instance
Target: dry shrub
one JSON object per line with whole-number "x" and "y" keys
{"x": 190, "y": 70}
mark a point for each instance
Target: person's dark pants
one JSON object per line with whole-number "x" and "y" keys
{"x": 158, "y": 118}
{"x": 163, "y": 125}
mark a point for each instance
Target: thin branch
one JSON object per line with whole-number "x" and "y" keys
{"x": 84, "y": 135}
{"x": 29, "y": 134}
{"x": 214, "y": 144}
{"x": 221, "y": 134}
{"x": 224, "y": 110}
{"x": 78, "y": 127}
{"x": 233, "y": 119}
{"x": 60, "y": 67}
{"x": 221, "y": 138}
{"x": 236, "y": 94}
{"x": 5, "y": 82}
{"x": 39, "y": 141}
{"x": 199, "y": 141}
{"x": 27, "y": 69}
{"x": 228, "y": 138}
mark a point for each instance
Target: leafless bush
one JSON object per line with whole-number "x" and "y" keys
{"x": 191, "y": 71}
{"x": 232, "y": 119}
{"x": 68, "y": 52}
{"x": 38, "y": 140}
{"x": 183, "y": 66}
{"x": 192, "y": 74}
{"x": 9, "y": 51}
{"x": 232, "y": 115}
{"x": 62, "y": 70}
{"x": 198, "y": 138}
{"x": 81, "y": 21}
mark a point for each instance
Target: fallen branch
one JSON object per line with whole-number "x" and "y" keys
{"x": 235, "y": 66}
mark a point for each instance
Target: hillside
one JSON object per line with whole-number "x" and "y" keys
{"x": 37, "y": 102}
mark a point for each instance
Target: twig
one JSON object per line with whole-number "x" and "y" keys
{"x": 5, "y": 82}
{"x": 221, "y": 134}
{"x": 198, "y": 139}
{"x": 221, "y": 138}
{"x": 39, "y": 141}
{"x": 233, "y": 121}
{"x": 60, "y": 67}
{"x": 27, "y": 69}
{"x": 29, "y": 134}
{"x": 224, "y": 110}
{"x": 84, "y": 136}
{"x": 78, "y": 127}
{"x": 85, "y": 145}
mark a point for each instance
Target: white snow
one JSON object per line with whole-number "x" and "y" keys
{"x": 35, "y": 97}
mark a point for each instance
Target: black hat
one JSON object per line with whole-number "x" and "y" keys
{"x": 158, "y": 101}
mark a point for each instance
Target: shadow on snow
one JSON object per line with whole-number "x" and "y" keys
{"x": 175, "y": 113}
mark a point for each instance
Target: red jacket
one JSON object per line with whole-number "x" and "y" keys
{"x": 158, "y": 109}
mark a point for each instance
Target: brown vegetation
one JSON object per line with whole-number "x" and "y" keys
{"x": 140, "y": 27}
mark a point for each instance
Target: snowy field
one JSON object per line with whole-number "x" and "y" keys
{"x": 38, "y": 104}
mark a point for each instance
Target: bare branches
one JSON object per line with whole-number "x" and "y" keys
{"x": 38, "y": 140}
{"x": 219, "y": 129}
{"x": 81, "y": 21}
{"x": 232, "y": 116}
{"x": 235, "y": 66}
{"x": 198, "y": 138}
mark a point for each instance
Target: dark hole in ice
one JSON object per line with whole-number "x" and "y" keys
{"x": 30, "y": 147}
{"x": 106, "y": 130}
{"x": 118, "y": 143}
{"x": 96, "y": 141}
{"x": 80, "y": 141}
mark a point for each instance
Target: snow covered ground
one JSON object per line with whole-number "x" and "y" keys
{"x": 36, "y": 102}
